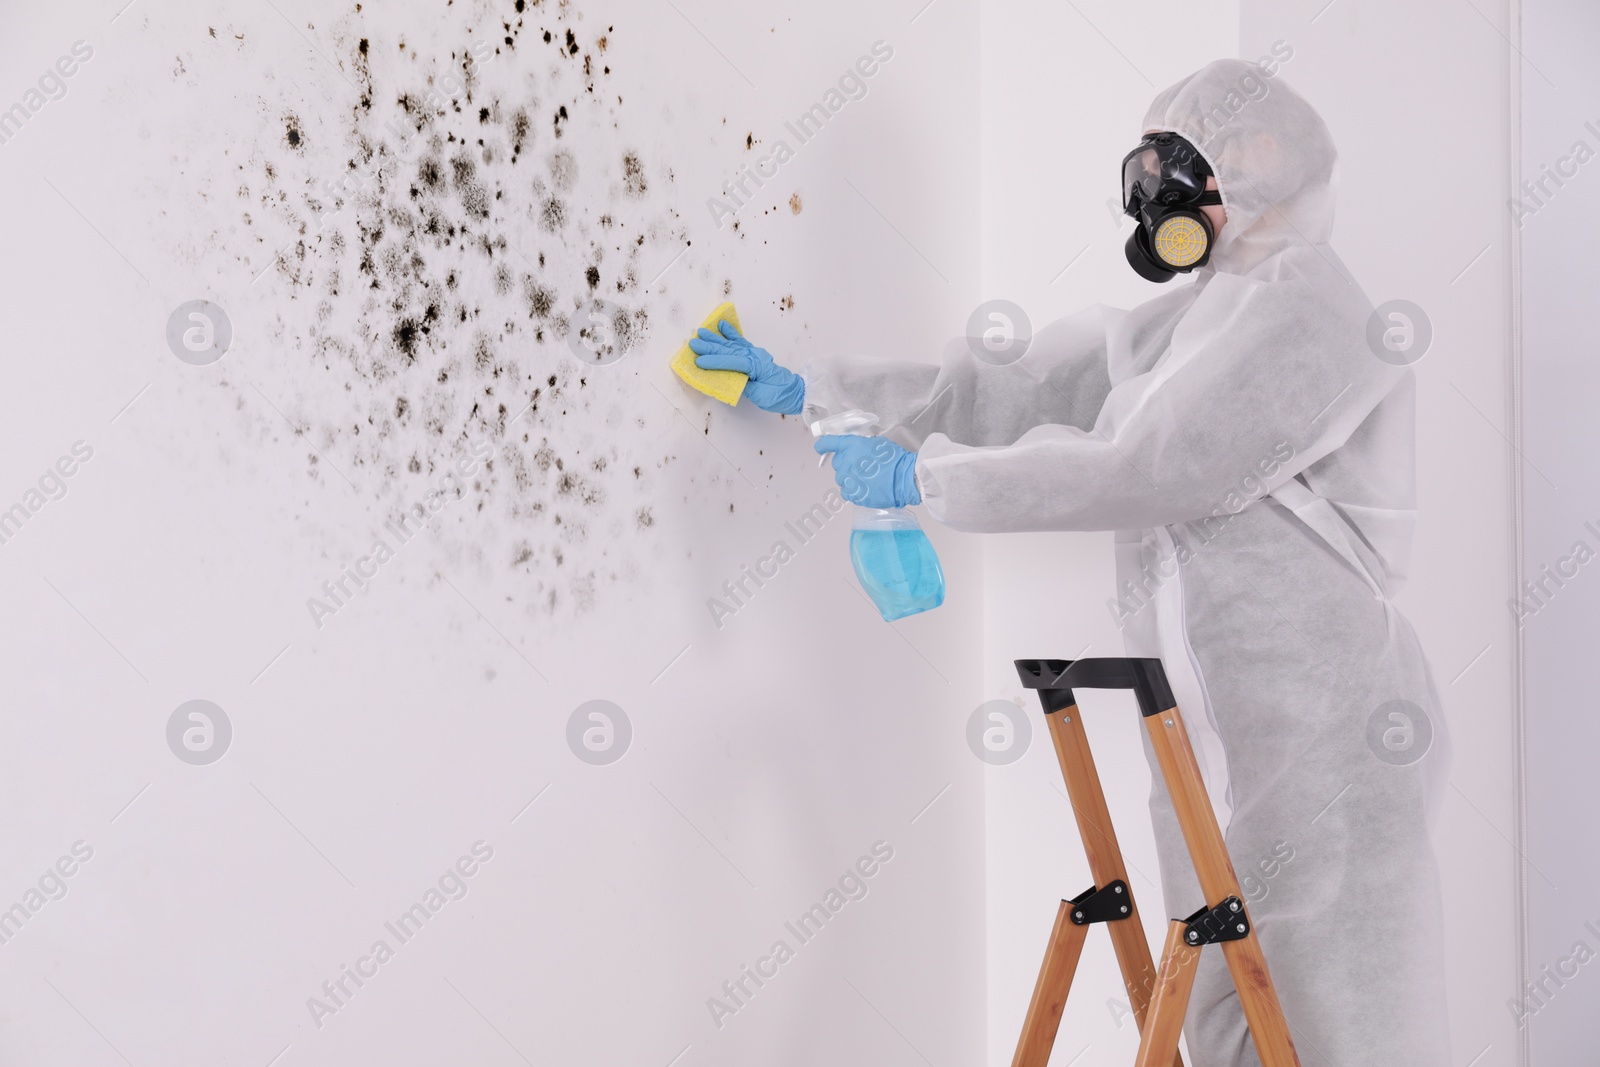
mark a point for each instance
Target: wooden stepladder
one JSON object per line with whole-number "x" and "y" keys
{"x": 1159, "y": 998}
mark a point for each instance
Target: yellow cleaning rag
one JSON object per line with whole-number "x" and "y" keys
{"x": 724, "y": 385}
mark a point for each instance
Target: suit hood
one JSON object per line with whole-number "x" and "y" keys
{"x": 1271, "y": 152}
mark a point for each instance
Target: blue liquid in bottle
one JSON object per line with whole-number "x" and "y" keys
{"x": 896, "y": 563}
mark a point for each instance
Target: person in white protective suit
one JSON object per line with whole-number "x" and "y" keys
{"x": 1255, "y": 458}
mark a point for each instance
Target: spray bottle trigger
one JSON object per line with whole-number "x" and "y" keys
{"x": 843, "y": 422}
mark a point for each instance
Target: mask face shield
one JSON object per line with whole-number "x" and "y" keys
{"x": 1163, "y": 186}
{"x": 1164, "y": 169}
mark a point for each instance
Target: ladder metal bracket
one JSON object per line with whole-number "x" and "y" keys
{"x": 1105, "y": 904}
{"x": 1226, "y": 921}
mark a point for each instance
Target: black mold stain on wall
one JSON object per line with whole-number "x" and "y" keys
{"x": 480, "y": 210}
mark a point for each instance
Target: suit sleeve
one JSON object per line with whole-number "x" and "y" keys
{"x": 1263, "y": 378}
{"x": 1061, "y": 379}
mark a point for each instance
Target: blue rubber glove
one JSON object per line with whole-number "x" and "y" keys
{"x": 770, "y": 388}
{"x": 872, "y": 471}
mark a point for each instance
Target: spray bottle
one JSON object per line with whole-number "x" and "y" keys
{"x": 893, "y": 558}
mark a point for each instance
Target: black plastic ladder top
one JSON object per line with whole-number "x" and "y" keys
{"x": 1055, "y": 678}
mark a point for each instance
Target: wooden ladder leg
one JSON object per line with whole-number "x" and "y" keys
{"x": 1050, "y": 992}
{"x": 1268, "y": 1027}
{"x": 1106, "y": 865}
{"x": 1158, "y": 1042}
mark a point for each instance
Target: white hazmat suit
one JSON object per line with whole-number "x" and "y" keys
{"x": 1255, "y": 458}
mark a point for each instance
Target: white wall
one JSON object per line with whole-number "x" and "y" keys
{"x": 1558, "y": 231}
{"x": 424, "y": 716}
{"x": 767, "y": 755}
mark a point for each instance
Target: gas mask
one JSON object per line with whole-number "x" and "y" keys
{"x": 1163, "y": 188}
